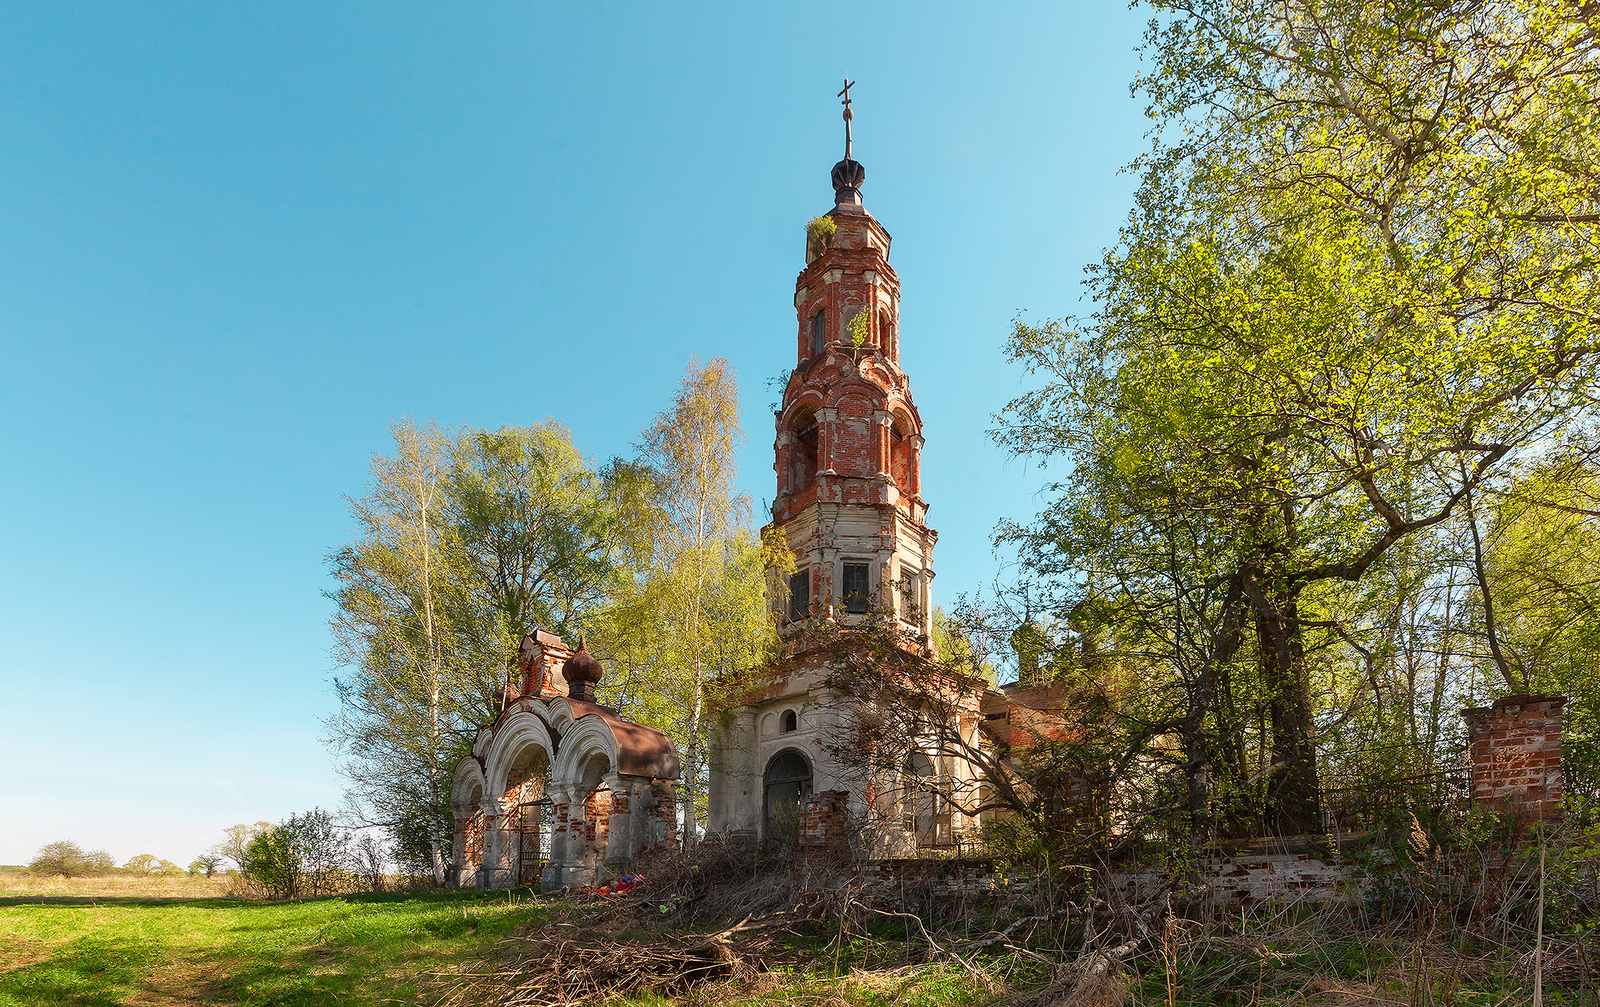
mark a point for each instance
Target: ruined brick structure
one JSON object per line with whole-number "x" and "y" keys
{"x": 559, "y": 791}
{"x": 848, "y": 458}
{"x": 1516, "y": 755}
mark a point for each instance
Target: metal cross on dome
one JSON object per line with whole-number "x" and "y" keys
{"x": 848, "y": 115}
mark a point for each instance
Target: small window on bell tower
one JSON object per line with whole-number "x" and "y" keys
{"x": 805, "y": 450}
{"x": 800, "y": 595}
{"x": 855, "y": 587}
{"x": 819, "y": 331}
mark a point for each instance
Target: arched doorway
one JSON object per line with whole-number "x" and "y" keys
{"x": 526, "y": 805}
{"x": 788, "y": 780}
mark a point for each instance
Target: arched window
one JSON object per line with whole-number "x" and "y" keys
{"x": 900, "y": 454}
{"x": 805, "y": 449}
{"x": 791, "y": 722}
{"x": 788, "y": 780}
{"x": 887, "y": 334}
{"x": 819, "y": 331}
{"x": 919, "y": 801}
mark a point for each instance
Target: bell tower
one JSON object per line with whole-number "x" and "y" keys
{"x": 848, "y": 455}
{"x": 849, "y": 440}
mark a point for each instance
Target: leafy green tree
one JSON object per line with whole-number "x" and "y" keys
{"x": 236, "y": 839}
{"x": 465, "y": 541}
{"x": 270, "y": 863}
{"x": 697, "y": 609}
{"x": 144, "y": 863}
{"x": 67, "y": 859}
{"x": 306, "y": 855}
{"x": 98, "y": 862}
{"x": 1543, "y": 572}
{"x": 1354, "y": 290}
{"x": 207, "y": 863}
{"x": 422, "y": 655}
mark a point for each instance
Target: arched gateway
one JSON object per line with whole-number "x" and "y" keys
{"x": 560, "y": 791}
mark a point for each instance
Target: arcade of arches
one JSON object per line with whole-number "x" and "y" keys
{"x": 559, "y": 791}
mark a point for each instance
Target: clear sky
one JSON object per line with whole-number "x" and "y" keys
{"x": 238, "y": 240}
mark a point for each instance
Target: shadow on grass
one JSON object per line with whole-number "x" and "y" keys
{"x": 224, "y": 902}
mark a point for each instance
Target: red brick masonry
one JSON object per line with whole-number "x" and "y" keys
{"x": 1516, "y": 755}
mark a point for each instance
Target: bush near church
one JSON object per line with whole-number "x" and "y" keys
{"x": 303, "y": 857}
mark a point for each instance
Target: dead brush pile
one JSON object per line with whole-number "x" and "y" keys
{"x": 707, "y": 923}
{"x": 645, "y": 941}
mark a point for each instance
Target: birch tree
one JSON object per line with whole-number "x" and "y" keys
{"x": 464, "y": 541}
{"x": 699, "y": 609}
{"x": 401, "y": 586}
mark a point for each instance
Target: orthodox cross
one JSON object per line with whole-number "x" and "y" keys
{"x": 848, "y": 115}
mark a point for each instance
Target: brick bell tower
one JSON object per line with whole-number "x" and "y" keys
{"x": 849, "y": 439}
{"x": 849, "y": 503}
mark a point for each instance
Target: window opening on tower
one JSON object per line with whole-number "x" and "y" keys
{"x": 819, "y": 331}
{"x": 900, "y": 456}
{"x": 800, "y": 595}
{"x": 805, "y": 450}
{"x": 855, "y": 587}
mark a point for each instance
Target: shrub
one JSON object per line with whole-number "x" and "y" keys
{"x": 66, "y": 858}
{"x": 304, "y": 856}
{"x": 819, "y": 235}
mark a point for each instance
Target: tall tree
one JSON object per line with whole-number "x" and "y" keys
{"x": 403, "y": 622}
{"x": 466, "y": 540}
{"x": 1356, "y": 286}
{"x": 699, "y": 609}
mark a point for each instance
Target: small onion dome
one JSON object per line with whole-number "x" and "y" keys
{"x": 581, "y": 672}
{"x": 848, "y": 177}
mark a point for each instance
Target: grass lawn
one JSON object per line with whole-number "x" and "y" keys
{"x": 112, "y": 947}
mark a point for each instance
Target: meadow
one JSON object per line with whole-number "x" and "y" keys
{"x": 156, "y": 941}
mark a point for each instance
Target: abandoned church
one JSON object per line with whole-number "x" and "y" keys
{"x": 561, "y": 792}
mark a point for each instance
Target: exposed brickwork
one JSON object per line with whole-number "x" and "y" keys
{"x": 825, "y": 824}
{"x": 1516, "y": 755}
{"x": 665, "y": 814}
{"x": 1247, "y": 879}
{"x": 849, "y": 438}
{"x": 946, "y": 877}
{"x": 539, "y": 662}
{"x": 596, "y": 818}
{"x": 469, "y": 838}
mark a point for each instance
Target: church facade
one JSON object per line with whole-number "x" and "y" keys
{"x": 560, "y": 792}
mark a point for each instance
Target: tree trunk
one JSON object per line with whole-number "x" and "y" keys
{"x": 1196, "y": 739}
{"x": 1294, "y": 805}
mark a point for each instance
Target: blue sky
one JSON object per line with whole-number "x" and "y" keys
{"x": 237, "y": 241}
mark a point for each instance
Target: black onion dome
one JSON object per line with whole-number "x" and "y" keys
{"x": 581, "y": 667}
{"x": 848, "y": 176}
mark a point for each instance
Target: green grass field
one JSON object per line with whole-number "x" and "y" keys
{"x": 147, "y": 949}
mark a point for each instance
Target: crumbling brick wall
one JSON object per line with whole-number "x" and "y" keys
{"x": 597, "y": 818}
{"x": 825, "y": 824}
{"x": 1516, "y": 755}
{"x": 664, "y": 815}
